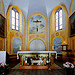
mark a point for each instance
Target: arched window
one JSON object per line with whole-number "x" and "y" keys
{"x": 15, "y": 19}
{"x": 58, "y": 19}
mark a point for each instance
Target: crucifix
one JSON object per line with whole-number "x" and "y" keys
{"x": 37, "y": 24}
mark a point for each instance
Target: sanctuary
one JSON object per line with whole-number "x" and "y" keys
{"x": 37, "y": 34}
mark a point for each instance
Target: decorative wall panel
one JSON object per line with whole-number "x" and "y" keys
{"x": 16, "y": 45}
{"x": 37, "y": 45}
{"x": 57, "y": 44}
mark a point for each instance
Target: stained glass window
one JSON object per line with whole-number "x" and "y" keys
{"x": 58, "y": 19}
{"x": 15, "y": 19}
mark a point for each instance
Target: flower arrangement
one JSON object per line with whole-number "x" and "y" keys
{"x": 68, "y": 68}
{"x": 4, "y": 68}
{"x": 68, "y": 65}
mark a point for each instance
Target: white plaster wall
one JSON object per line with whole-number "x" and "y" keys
{"x": 31, "y": 6}
{"x": 73, "y": 6}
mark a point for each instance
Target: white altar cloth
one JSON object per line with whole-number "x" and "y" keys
{"x": 23, "y": 52}
{"x": 3, "y": 57}
{"x": 36, "y": 61}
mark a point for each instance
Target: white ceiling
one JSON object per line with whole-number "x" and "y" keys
{"x": 30, "y": 6}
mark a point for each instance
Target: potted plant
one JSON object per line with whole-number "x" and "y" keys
{"x": 4, "y": 69}
{"x": 68, "y": 68}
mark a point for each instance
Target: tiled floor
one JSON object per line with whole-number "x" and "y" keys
{"x": 57, "y": 71}
{"x": 35, "y": 72}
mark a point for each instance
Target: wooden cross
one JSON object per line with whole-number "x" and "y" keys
{"x": 37, "y": 23}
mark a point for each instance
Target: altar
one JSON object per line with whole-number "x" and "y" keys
{"x": 36, "y": 59}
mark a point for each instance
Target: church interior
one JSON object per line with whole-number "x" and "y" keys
{"x": 37, "y": 37}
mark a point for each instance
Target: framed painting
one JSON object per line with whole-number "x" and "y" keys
{"x": 72, "y": 24}
{"x": 2, "y": 26}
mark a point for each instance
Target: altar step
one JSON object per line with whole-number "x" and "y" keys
{"x": 33, "y": 67}
{"x": 37, "y": 67}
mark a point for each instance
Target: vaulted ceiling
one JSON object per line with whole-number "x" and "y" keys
{"x": 30, "y": 6}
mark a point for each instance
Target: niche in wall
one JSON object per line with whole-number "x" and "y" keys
{"x": 37, "y": 45}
